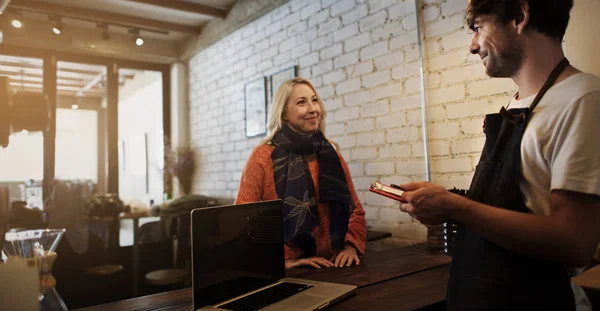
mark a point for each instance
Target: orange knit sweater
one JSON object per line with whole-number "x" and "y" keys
{"x": 258, "y": 184}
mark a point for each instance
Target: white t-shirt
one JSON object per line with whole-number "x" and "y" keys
{"x": 561, "y": 146}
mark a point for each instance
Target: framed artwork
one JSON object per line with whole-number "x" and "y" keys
{"x": 255, "y": 100}
{"x": 278, "y": 78}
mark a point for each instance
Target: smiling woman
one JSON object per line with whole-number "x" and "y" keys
{"x": 324, "y": 221}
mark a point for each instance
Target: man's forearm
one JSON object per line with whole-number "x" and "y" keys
{"x": 538, "y": 236}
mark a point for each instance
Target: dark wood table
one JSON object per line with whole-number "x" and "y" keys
{"x": 406, "y": 278}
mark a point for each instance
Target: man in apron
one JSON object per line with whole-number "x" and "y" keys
{"x": 533, "y": 208}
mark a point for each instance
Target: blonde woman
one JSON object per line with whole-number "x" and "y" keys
{"x": 324, "y": 222}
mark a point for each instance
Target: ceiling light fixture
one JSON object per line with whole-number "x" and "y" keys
{"x": 138, "y": 39}
{"x": 17, "y": 23}
{"x": 74, "y": 106}
{"x": 57, "y": 29}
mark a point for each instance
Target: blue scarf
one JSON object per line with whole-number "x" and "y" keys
{"x": 294, "y": 185}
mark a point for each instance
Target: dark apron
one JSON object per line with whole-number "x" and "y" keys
{"x": 484, "y": 275}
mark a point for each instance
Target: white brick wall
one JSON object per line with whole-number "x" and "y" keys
{"x": 362, "y": 56}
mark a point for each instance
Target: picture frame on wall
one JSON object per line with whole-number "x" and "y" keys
{"x": 255, "y": 104}
{"x": 278, "y": 78}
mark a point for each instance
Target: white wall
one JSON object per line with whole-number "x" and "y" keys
{"x": 140, "y": 112}
{"x": 362, "y": 56}
{"x": 581, "y": 45}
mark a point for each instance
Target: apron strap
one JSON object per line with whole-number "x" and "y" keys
{"x": 551, "y": 79}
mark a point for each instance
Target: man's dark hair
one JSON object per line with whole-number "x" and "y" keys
{"x": 549, "y": 17}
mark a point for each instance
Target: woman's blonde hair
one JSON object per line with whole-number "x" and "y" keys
{"x": 278, "y": 106}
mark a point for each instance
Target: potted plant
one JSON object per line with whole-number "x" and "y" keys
{"x": 180, "y": 163}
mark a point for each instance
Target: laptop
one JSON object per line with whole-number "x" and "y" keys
{"x": 238, "y": 262}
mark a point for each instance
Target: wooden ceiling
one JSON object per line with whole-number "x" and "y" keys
{"x": 111, "y": 27}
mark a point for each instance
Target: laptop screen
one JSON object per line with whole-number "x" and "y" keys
{"x": 236, "y": 249}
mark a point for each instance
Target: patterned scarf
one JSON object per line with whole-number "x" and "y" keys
{"x": 294, "y": 185}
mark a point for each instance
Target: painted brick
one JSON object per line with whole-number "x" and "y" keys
{"x": 362, "y": 182}
{"x": 450, "y": 7}
{"x": 407, "y": 70}
{"x": 379, "y": 200}
{"x": 300, "y": 50}
{"x": 468, "y": 145}
{"x": 331, "y": 51}
{"x": 334, "y": 103}
{"x": 445, "y": 95}
{"x": 273, "y": 28}
{"x": 412, "y": 86}
{"x": 276, "y": 38}
{"x": 357, "y": 42}
{"x": 322, "y": 67}
{"x": 444, "y": 130}
{"x": 390, "y": 90}
{"x": 347, "y": 114}
{"x": 380, "y": 168}
{"x": 348, "y": 86}
{"x": 491, "y": 87}
{"x": 287, "y": 44}
{"x": 459, "y": 181}
{"x": 389, "y": 60}
{"x": 308, "y": 60}
{"x": 299, "y": 4}
{"x": 370, "y": 139}
{"x": 310, "y": 10}
{"x": 409, "y": 22}
{"x": 322, "y": 42}
{"x": 371, "y": 213}
{"x": 308, "y": 36}
{"x": 406, "y": 102}
{"x": 297, "y": 28}
{"x": 330, "y": 25}
{"x": 269, "y": 53}
{"x": 445, "y": 26}
{"x": 327, "y": 3}
{"x": 334, "y": 77}
{"x": 439, "y": 148}
{"x": 318, "y": 18}
{"x": 469, "y": 109}
{"x": 335, "y": 129}
{"x": 414, "y": 167}
{"x": 387, "y": 31}
{"x": 403, "y": 39}
{"x": 363, "y": 153}
{"x": 391, "y": 120}
{"x": 377, "y": 78}
{"x": 431, "y": 13}
{"x": 372, "y": 21}
{"x": 472, "y": 126}
{"x": 401, "y": 9}
{"x": 464, "y": 74}
{"x": 346, "y": 60}
{"x": 356, "y": 169}
{"x": 458, "y": 39}
{"x": 394, "y": 151}
{"x": 342, "y": 7}
{"x": 357, "y": 13}
{"x": 376, "y": 5}
{"x": 346, "y": 142}
{"x": 405, "y": 134}
{"x": 345, "y": 33}
{"x": 452, "y": 165}
{"x": 374, "y": 109}
{"x": 447, "y": 60}
{"x": 280, "y": 12}
{"x": 356, "y": 99}
{"x": 361, "y": 125}
{"x": 374, "y": 50}
{"x": 361, "y": 69}
{"x": 434, "y": 80}
{"x": 326, "y": 92}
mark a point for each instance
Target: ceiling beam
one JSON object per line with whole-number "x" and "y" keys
{"x": 59, "y": 92}
{"x": 97, "y": 16}
{"x": 186, "y": 7}
{"x": 91, "y": 84}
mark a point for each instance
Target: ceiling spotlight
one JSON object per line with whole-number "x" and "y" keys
{"x": 74, "y": 106}
{"x": 139, "y": 41}
{"x": 57, "y": 29}
{"x": 17, "y": 23}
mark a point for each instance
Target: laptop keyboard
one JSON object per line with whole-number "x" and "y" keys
{"x": 266, "y": 297}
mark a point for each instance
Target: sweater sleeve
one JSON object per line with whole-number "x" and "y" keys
{"x": 357, "y": 227}
{"x": 252, "y": 182}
